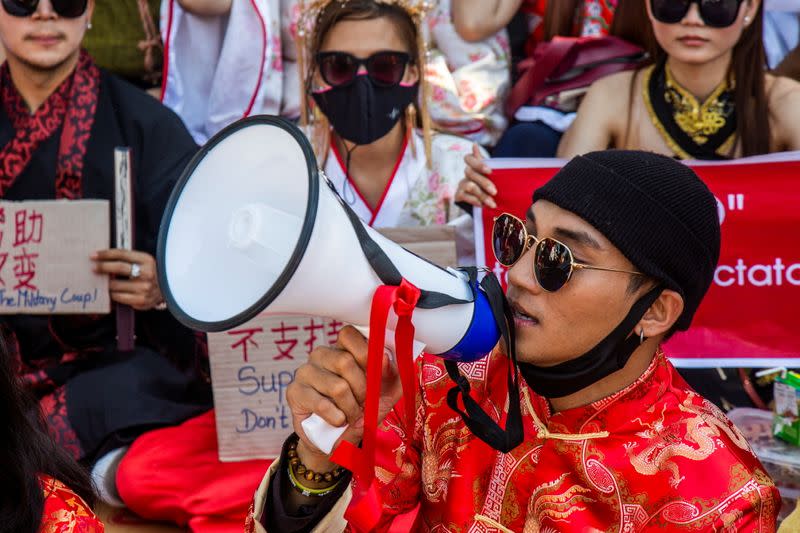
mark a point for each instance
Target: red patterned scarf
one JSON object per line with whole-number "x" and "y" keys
{"x": 73, "y": 104}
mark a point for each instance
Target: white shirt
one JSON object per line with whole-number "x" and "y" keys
{"x": 408, "y": 171}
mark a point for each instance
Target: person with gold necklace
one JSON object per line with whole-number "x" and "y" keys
{"x": 706, "y": 96}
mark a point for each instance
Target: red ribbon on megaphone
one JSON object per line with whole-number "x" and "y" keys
{"x": 365, "y": 509}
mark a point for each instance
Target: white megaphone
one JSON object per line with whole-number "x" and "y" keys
{"x": 253, "y": 226}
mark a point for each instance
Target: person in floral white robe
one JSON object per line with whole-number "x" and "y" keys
{"x": 416, "y": 195}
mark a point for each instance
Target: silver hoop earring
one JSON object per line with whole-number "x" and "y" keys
{"x": 641, "y": 336}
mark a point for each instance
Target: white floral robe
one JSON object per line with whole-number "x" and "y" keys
{"x": 469, "y": 81}
{"x": 415, "y": 195}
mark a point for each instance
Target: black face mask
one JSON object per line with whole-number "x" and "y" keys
{"x": 362, "y": 112}
{"x": 610, "y": 355}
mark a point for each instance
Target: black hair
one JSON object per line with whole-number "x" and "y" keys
{"x": 636, "y": 283}
{"x": 26, "y": 452}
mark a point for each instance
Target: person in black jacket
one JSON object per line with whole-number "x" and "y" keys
{"x": 61, "y": 118}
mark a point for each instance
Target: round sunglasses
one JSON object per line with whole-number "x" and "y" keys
{"x": 715, "y": 13}
{"x": 384, "y": 68}
{"x": 553, "y": 262}
{"x": 64, "y": 8}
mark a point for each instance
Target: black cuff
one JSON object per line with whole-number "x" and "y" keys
{"x": 275, "y": 517}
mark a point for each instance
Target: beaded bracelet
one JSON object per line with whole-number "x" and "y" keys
{"x": 310, "y": 475}
{"x": 307, "y": 492}
{"x": 306, "y": 473}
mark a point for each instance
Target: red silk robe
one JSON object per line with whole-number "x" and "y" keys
{"x": 64, "y": 511}
{"x": 653, "y": 457}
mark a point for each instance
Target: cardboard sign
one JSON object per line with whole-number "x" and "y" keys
{"x": 252, "y": 365}
{"x": 44, "y": 257}
{"x": 437, "y": 244}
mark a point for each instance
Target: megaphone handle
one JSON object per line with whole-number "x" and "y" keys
{"x": 323, "y": 435}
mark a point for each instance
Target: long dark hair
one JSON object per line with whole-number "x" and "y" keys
{"x": 26, "y": 451}
{"x": 748, "y": 69}
{"x": 749, "y": 65}
{"x": 561, "y": 17}
{"x": 628, "y": 25}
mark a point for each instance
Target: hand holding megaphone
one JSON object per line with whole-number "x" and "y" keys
{"x": 330, "y": 390}
{"x": 322, "y": 431}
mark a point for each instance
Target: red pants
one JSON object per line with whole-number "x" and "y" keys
{"x": 174, "y": 475}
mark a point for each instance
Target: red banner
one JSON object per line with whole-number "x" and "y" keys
{"x": 750, "y": 316}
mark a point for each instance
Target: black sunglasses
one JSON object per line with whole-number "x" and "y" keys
{"x": 715, "y": 13}
{"x": 64, "y": 8}
{"x": 384, "y": 68}
{"x": 553, "y": 263}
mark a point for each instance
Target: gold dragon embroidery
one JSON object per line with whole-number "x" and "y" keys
{"x": 555, "y": 502}
{"x": 438, "y": 455}
{"x": 699, "y": 440}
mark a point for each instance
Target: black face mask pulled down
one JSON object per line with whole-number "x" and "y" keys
{"x": 362, "y": 112}
{"x": 609, "y": 356}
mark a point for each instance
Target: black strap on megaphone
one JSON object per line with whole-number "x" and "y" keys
{"x": 481, "y": 425}
{"x": 383, "y": 266}
{"x": 478, "y": 422}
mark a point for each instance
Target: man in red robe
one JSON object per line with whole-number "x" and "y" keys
{"x": 617, "y": 252}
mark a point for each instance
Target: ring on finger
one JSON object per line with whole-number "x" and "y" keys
{"x": 136, "y": 270}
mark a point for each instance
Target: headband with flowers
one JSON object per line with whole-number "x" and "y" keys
{"x": 317, "y": 124}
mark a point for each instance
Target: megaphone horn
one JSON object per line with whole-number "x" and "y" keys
{"x": 252, "y": 226}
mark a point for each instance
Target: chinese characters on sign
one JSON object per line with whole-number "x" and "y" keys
{"x": 251, "y": 367}
{"x": 27, "y": 231}
{"x": 45, "y": 249}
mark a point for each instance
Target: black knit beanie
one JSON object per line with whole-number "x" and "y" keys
{"x": 654, "y": 209}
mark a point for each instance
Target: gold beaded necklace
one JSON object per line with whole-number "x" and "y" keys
{"x": 699, "y": 121}
{"x": 692, "y": 129}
